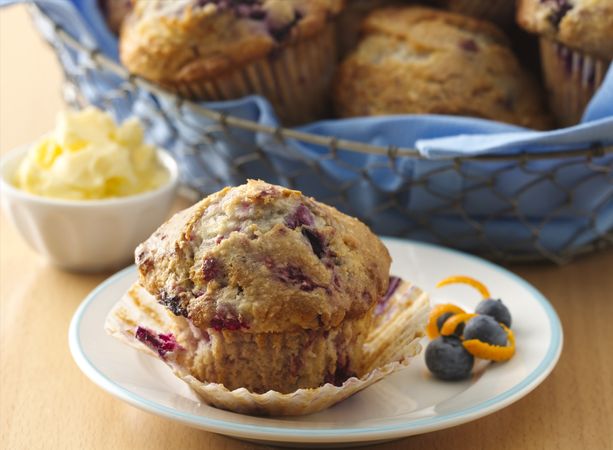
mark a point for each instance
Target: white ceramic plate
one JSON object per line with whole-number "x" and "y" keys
{"x": 406, "y": 403}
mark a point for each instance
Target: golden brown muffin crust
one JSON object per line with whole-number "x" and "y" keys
{"x": 415, "y": 60}
{"x": 263, "y": 258}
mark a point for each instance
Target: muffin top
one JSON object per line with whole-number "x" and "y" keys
{"x": 586, "y": 25}
{"x": 263, "y": 258}
{"x": 187, "y": 40}
{"x": 420, "y": 60}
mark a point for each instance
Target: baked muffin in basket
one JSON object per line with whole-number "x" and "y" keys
{"x": 258, "y": 288}
{"x": 576, "y": 49}
{"x": 212, "y": 50}
{"x": 415, "y": 60}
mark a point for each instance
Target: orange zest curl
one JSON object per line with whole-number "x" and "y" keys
{"x": 485, "y": 293}
{"x": 438, "y": 311}
{"x": 496, "y": 353}
{"x": 453, "y": 322}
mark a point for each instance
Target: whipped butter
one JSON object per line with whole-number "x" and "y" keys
{"x": 89, "y": 157}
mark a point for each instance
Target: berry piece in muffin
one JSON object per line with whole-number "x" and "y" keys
{"x": 398, "y": 321}
{"x": 576, "y": 45}
{"x": 585, "y": 25}
{"x": 268, "y": 302}
{"x": 501, "y": 12}
{"x": 351, "y": 18}
{"x": 415, "y": 60}
{"x": 114, "y": 12}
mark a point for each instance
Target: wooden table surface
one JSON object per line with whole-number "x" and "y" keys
{"x": 46, "y": 402}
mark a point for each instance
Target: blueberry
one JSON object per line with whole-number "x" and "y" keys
{"x": 448, "y": 360}
{"x": 443, "y": 318}
{"x": 210, "y": 268}
{"x": 486, "y": 329}
{"x": 175, "y": 303}
{"x": 393, "y": 284}
{"x": 495, "y": 309}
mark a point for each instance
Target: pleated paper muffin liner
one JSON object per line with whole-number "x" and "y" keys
{"x": 295, "y": 79}
{"x": 138, "y": 320}
{"x": 572, "y": 77}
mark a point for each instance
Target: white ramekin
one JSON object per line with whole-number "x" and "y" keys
{"x": 85, "y": 235}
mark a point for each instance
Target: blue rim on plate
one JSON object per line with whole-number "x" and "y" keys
{"x": 501, "y": 400}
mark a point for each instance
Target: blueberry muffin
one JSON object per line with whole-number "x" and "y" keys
{"x": 416, "y": 60}
{"x": 212, "y": 50}
{"x": 576, "y": 49}
{"x": 351, "y": 18}
{"x": 282, "y": 288}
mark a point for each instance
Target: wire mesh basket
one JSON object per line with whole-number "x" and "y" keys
{"x": 530, "y": 206}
